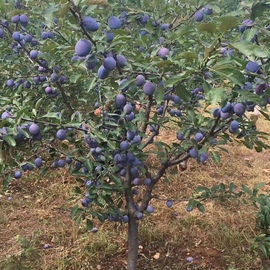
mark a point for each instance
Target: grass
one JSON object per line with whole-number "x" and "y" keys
{"x": 35, "y": 212}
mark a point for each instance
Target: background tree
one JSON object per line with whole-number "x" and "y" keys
{"x": 90, "y": 84}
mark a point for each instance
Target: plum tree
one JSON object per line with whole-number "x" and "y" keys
{"x": 45, "y": 35}
{"x": 246, "y": 24}
{"x": 48, "y": 90}
{"x": 5, "y": 115}
{"x": 109, "y": 84}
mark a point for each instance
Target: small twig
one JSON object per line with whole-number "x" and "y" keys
{"x": 190, "y": 16}
{"x": 62, "y": 37}
{"x": 147, "y": 113}
{"x": 48, "y": 123}
{"x": 157, "y": 127}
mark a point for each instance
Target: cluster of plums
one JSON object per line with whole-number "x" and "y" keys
{"x": 105, "y": 64}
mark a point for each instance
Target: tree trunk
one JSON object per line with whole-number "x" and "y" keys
{"x": 133, "y": 229}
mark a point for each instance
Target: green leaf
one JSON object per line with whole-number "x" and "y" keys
{"x": 259, "y": 185}
{"x": 209, "y": 27}
{"x": 201, "y": 207}
{"x": 258, "y": 9}
{"x": 22, "y": 112}
{"x": 264, "y": 250}
{"x": 117, "y": 180}
{"x": 247, "y": 190}
{"x": 249, "y": 96}
{"x": 48, "y": 14}
{"x": 96, "y": 2}
{"x": 177, "y": 79}
{"x": 216, "y": 95}
{"x": 268, "y": 219}
{"x": 216, "y": 156}
{"x": 80, "y": 180}
{"x": 10, "y": 140}
{"x": 75, "y": 77}
{"x": 266, "y": 115}
{"x": 250, "y": 33}
{"x": 189, "y": 55}
{"x": 89, "y": 224}
{"x": 38, "y": 103}
{"x": 229, "y": 72}
{"x": 78, "y": 190}
{"x": 191, "y": 204}
{"x": 250, "y": 49}
{"x": 6, "y": 181}
{"x": 222, "y": 187}
{"x": 51, "y": 115}
{"x": 183, "y": 93}
{"x": 64, "y": 9}
{"x": 92, "y": 85}
{"x": 267, "y": 239}
{"x": 215, "y": 188}
{"x": 75, "y": 212}
{"x": 232, "y": 187}
{"x": 227, "y": 22}
{"x": 244, "y": 47}
{"x": 261, "y": 52}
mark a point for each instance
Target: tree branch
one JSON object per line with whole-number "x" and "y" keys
{"x": 73, "y": 9}
{"x": 147, "y": 113}
{"x": 62, "y": 90}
